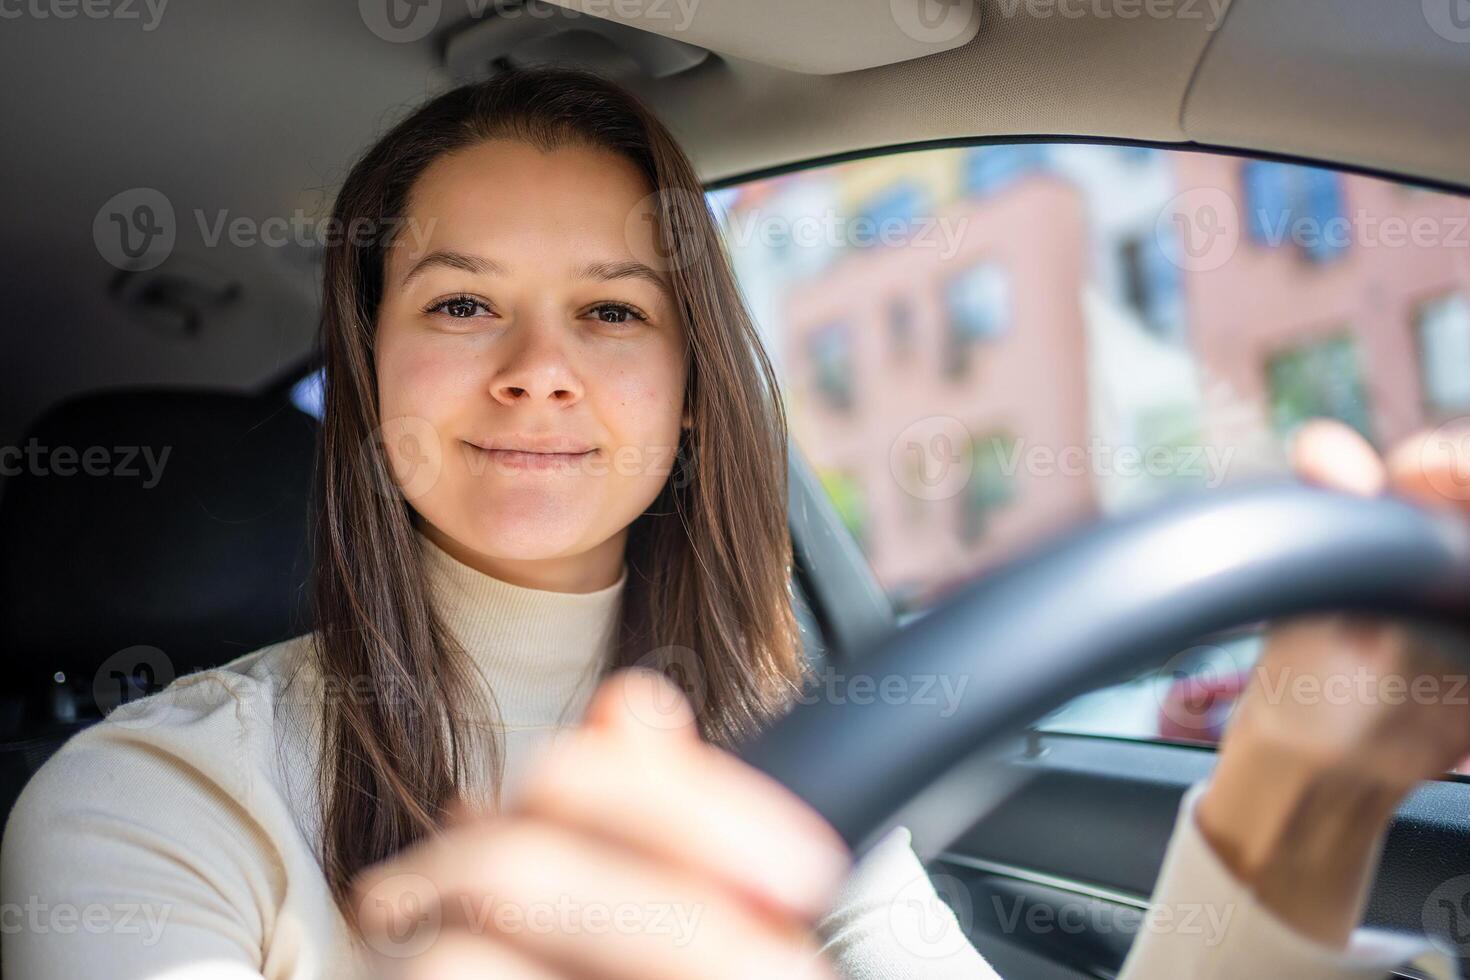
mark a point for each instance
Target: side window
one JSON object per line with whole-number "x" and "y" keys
{"x": 977, "y": 309}
{"x": 829, "y": 350}
{"x": 1320, "y": 378}
{"x": 1296, "y": 207}
{"x": 981, "y": 347}
{"x": 1443, "y": 326}
{"x": 989, "y": 487}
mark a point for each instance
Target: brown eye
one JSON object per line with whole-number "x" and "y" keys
{"x": 617, "y": 314}
{"x": 458, "y": 307}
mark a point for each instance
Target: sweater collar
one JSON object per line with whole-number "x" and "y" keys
{"x": 540, "y": 651}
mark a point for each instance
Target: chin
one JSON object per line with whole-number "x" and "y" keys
{"x": 523, "y": 526}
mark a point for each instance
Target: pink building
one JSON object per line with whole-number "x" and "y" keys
{"x": 1404, "y": 257}
{"x": 889, "y": 340}
{"x": 968, "y": 345}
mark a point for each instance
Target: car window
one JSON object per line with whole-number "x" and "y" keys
{"x": 983, "y": 346}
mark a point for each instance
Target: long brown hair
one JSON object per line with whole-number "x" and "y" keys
{"x": 707, "y": 598}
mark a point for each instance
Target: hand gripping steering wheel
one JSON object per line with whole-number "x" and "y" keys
{"x": 1093, "y": 607}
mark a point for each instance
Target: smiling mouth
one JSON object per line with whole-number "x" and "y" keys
{"x": 522, "y": 459}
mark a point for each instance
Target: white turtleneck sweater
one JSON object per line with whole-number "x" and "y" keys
{"x": 179, "y": 838}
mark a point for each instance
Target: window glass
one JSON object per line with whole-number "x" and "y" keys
{"x": 1444, "y": 351}
{"x": 1320, "y": 378}
{"x": 307, "y": 394}
{"x": 981, "y": 347}
{"x": 830, "y": 351}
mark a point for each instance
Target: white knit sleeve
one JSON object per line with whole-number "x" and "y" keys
{"x": 889, "y": 923}
{"x": 1204, "y": 923}
{"x": 119, "y": 860}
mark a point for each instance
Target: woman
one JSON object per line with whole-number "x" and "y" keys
{"x": 553, "y": 446}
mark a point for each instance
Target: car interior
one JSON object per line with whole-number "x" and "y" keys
{"x": 1067, "y": 164}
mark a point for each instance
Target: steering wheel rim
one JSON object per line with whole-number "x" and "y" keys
{"x": 1089, "y": 608}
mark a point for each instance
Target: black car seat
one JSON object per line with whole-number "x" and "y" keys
{"x": 146, "y": 534}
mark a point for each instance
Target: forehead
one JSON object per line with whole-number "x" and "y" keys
{"x": 509, "y": 188}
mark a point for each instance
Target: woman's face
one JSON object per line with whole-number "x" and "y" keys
{"x": 517, "y": 316}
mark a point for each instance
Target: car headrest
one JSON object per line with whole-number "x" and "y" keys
{"x": 169, "y": 518}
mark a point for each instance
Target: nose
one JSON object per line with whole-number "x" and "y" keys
{"x": 536, "y": 369}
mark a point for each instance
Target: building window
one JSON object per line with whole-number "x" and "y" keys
{"x": 1151, "y": 284}
{"x": 977, "y": 303}
{"x": 1321, "y": 195}
{"x": 901, "y": 327}
{"x": 830, "y": 349}
{"x": 1443, "y": 326}
{"x": 988, "y": 169}
{"x": 991, "y": 485}
{"x": 1138, "y": 156}
{"x": 1297, "y": 206}
{"x": 1322, "y": 379}
{"x": 891, "y": 215}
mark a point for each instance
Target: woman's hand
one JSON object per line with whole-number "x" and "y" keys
{"x": 634, "y": 852}
{"x": 1342, "y": 718}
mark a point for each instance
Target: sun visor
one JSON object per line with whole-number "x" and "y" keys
{"x": 817, "y": 37}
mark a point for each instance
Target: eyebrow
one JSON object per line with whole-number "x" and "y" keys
{"x": 453, "y": 260}
{"x": 630, "y": 269}
{"x": 480, "y": 266}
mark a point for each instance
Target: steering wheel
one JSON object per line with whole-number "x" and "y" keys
{"x": 1092, "y": 607}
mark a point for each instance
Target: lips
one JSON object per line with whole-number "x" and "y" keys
{"x": 541, "y": 445}
{"x": 534, "y": 454}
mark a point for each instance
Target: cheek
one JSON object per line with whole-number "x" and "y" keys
{"x": 421, "y": 391}
{"x": 644, "y": 407}
{"x": 415, "y": 379}
{"x": 647, "y": 404}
